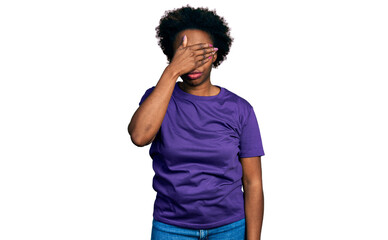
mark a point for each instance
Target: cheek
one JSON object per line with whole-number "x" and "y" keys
{"x": 208, "y": 65}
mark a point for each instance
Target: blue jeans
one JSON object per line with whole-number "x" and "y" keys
{"x": 232, "y": 231}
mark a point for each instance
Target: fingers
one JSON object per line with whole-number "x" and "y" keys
{"x": 202, "y": 59}
{"x": 199, "y": 53}
{"x": 199, "y": 46}
{"x": 204, "y": 51}
{"x": 184, "y": 42}
{"x": 202, "y": 62}
{"x": 204, "y": 56}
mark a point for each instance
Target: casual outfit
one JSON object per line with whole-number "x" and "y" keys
{"x": 231, "y": 231}
{"x": 196, "y": 160}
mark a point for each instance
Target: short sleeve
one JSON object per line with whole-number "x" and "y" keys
{"x": 146, "y": 94}
{"x": 250, "y": 137}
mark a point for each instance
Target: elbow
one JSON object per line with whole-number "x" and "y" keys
{"x": 134, "y": 137}
{"x": 137, "y": 139}
{"x": 253, "y": 189}
{"x": 253, "y": 184}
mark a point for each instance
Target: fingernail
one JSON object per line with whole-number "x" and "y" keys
{"x": 210, "y": 57}
{"x": 184, "y": 37}
{"x": 211, "y": 45}
{"x": 215, "y": 49}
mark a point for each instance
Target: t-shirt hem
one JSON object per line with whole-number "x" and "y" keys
{"x": 200, "y": 226}
{"x": 251, "y": 155}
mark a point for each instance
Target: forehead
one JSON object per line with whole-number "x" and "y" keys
{"x": 194, "y": 36}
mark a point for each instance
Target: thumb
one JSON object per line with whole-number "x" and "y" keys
{"x": 184, "y": 41}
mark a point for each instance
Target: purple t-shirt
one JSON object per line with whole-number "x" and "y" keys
{"x": 196, "y": 158}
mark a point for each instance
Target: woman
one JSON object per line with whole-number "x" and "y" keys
{"x": 206, "y": 141}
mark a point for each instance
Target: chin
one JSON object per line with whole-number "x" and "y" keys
{"x": 193, "y": 82}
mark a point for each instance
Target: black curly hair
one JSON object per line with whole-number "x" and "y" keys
{"x": 186, "y": 17}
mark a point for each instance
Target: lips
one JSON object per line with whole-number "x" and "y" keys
{"x": 194, "y": 74}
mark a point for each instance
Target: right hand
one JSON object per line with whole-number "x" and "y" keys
{"x": 188, "y": 58}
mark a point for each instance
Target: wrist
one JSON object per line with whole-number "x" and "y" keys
{"x": 172, "y": 71}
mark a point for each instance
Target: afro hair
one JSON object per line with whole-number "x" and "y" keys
{"x": 186, "y": 17}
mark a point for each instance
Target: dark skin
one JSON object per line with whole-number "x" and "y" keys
{"x": 201, "y": 86}
{"x": 253, "y": 196}
{"x": 148, "y": 118}
{"x": 192, "y": 54}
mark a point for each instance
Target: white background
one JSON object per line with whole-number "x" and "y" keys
{"x": 73, "y": 72}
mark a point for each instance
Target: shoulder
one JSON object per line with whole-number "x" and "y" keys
{"x": 243, "y": 106}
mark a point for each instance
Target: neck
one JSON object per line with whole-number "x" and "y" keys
{"x": 205, "y": 89}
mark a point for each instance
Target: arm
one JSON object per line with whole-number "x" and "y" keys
{"x": 253, "y": 196}
{"x": 148, "y": 118}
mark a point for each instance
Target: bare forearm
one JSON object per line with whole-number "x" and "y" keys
{"x": 148, "y": 118}
{"x": 254, "y": 210}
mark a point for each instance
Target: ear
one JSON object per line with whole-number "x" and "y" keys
{"x": 214, "y": 58}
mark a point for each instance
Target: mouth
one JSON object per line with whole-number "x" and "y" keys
{"x": 194, "y": 74}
